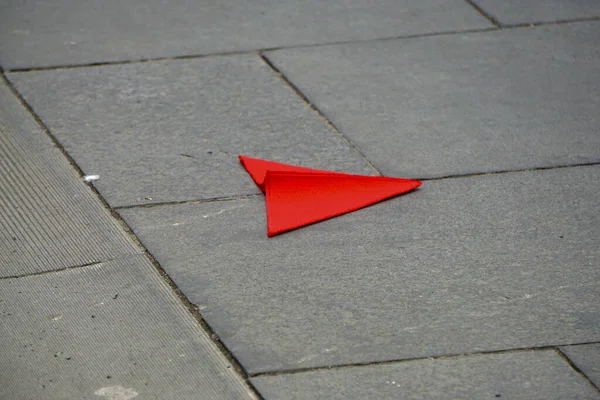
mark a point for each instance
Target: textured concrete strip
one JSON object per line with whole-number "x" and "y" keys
{"x": 459, "y": 104}
{"x": 171, "y": 131}
{"x": 533, "y": 11}
{"x": 587, "y": 358}
{"x": 50, "y": 219}
{"x": 106, "y": 330}
{"x": 521, "y": 375}
{"x": 79, "y": 31}
{"x": 462, "y": 265}
{"x": 16, "y": 120}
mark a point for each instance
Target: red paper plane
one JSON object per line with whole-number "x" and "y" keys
{"x": 298, "y": 196}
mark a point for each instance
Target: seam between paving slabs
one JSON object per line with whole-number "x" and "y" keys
{"x": 193, "y": 201}
{"x": 484, "y": 13}
{"x": 544, "y": 23}
{"x": 510, "y": 171}
{"x": 503, "y": 26}
{"x": 192, "y": 308}
{"x": 250, "y": 196}
{"x": 301, "y": 46}
{"x": 576, "y": 368}
{"x": 316, "y": 109}
{"x": 405, "y": 360}
{"x": 251, "y": 51}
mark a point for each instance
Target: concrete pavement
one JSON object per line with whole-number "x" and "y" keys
{"x": 157, "y": 280}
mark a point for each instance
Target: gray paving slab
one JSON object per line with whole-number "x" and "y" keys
{"x": 59, "y": 32}
{"x": 587, "y": 358}
{"x": 521, "y": 375}
{"x": 511, "y": 12}
{"x": 458, "y": 104}
{"x": 49, "y": 218}
{"x": 172, "y": 131}
{"x": 459, "y": 266}
{"x": 112, "y": 330}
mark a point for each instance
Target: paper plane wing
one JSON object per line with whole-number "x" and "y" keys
{"x": 295, "y": 198}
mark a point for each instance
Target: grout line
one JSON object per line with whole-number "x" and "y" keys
{"x": 509, "y": 171}
{"x": 42, "y": 273}
{"x": 134, "y": 61}
{"x": 249, "y": 196}
{"x": 195, "y": 201}
{"x": 405, "y": 360}
{"x": 544, "y": 23}
{"x": 191, "y": 307}
{"x": 317, "y": 110}
{"x": 576, "y": 368}
{"x": 495, "y": 28}
{"x": 240, "y": 52}
{"x": 485, "y": 14}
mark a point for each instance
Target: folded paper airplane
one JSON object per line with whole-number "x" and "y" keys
{"x": 298, "y": 196}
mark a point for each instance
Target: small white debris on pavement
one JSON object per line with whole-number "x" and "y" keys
{"x": 91, "y": 178}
